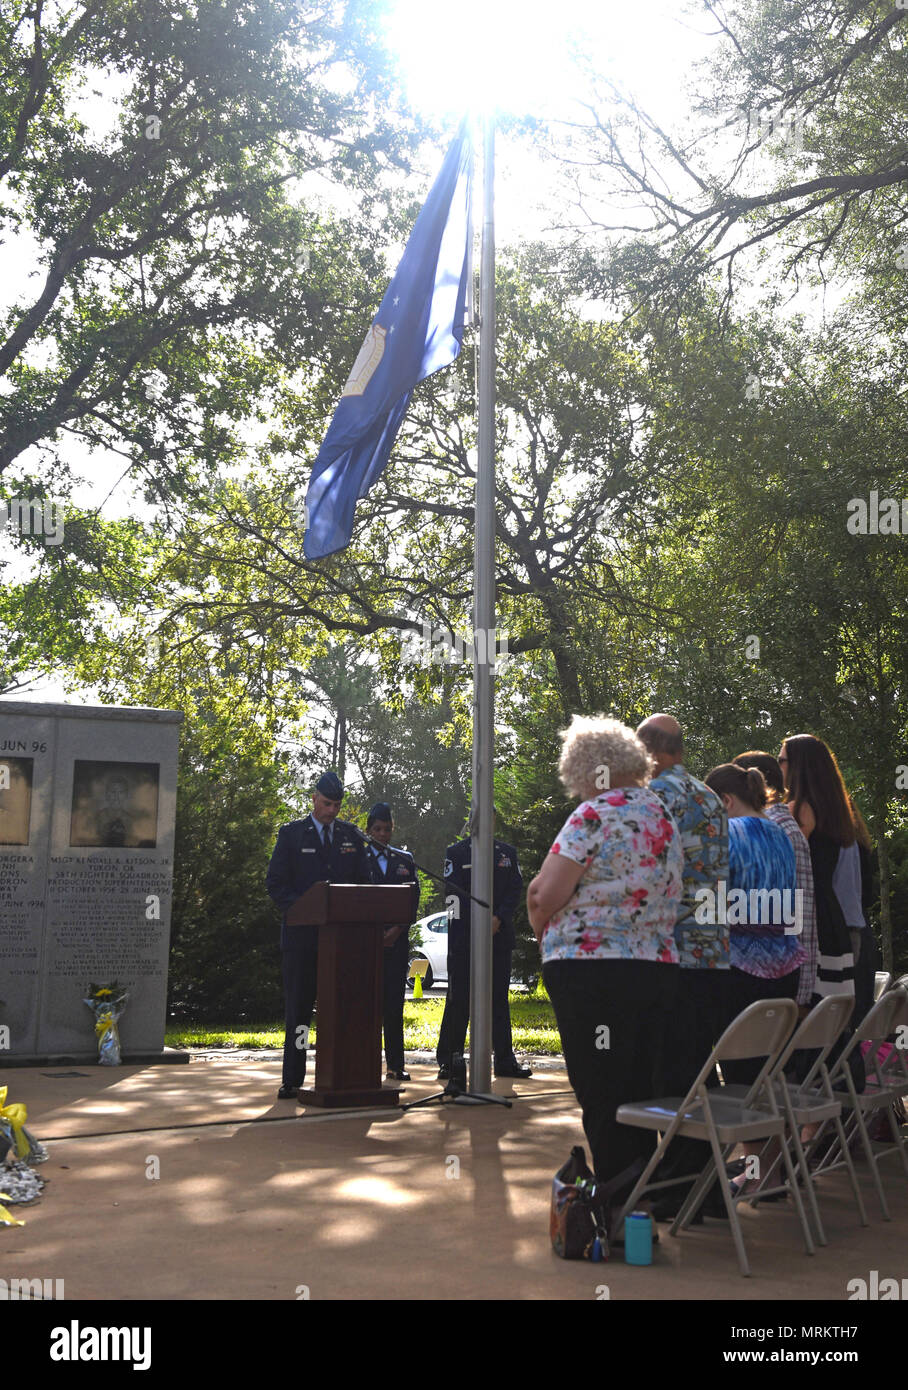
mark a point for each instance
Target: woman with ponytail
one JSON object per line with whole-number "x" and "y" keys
{"x": 778, "y": 811}
{"x": 765, "y": 957}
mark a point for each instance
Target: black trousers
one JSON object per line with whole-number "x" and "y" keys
{"x": 716, "y": 996}
{"x": 743, "y": 990}
{"x": 395, "y": 963}
{"x": 299, "y": 966}
{"x": 632, "y": 1000}
{"x": 869, "y": 961}
{"x": 453, "y": 1034}
{"x": 702, "y": 1012}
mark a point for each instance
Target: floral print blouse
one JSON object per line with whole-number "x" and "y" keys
{"x": 625, "y": 905}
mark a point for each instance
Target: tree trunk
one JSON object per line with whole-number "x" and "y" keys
{"x": 563, "y": 655}
{"x": 341, "y": 744}
{"x": 878, "y": 798}
{"x": 885, "y": 903}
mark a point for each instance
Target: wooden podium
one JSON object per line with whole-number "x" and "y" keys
{"x": 351, "y": 920}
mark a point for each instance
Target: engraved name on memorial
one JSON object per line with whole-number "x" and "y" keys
{"x": 87, "y": 809}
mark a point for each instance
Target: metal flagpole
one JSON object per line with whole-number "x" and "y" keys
{"x": 484, "y": 645}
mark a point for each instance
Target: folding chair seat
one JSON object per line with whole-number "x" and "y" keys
{"x": 886, "y": 1083}
{"x": 881, "y": 982}
{"x": 710, "y": 1113}
{"x": 811, "y": 1102}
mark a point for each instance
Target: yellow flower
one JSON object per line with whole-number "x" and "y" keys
{"x": 99, "y": 993}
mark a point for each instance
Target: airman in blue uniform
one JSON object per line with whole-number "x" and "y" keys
{"x": 390, "y": 865}
{"x": 506, "y": 885}
{"x": 318, "y": 849}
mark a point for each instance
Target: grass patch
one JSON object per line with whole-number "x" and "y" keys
{"x": 224, "y": 1035}
{"x": 532, "y": 1023}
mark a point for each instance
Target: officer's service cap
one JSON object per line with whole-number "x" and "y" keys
{"x": 329, "y": 784}
{"x": 380, "y": 811}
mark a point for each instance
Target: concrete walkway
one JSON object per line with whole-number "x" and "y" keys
{"x": 259, "y": 1199}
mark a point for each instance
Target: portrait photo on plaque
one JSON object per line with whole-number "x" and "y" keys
{"x": 115, "y": 805}
{"x": 15, "y": 799}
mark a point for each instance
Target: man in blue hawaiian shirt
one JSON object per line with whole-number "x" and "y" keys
{"x": 703, "y": 824}
{"x": 703, "y": 949}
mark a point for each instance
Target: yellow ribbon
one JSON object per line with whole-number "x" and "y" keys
{"x": 15, "y": 1115}
{"x": 6, "y": 1217}
{"x": 106, "y": 1024}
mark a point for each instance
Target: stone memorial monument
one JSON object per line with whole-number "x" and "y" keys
{"x": 87, "y": 812}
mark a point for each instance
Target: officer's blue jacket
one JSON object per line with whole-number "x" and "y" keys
{"x": 300, "y": 859}
{"x": 401, "y": 869}
{"x": 506, "y": 884}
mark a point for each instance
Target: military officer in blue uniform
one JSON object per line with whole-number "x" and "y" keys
{"x": 390, "y": 865}
{"x": 506, "y": 885}
{"x": 319, "y": 849}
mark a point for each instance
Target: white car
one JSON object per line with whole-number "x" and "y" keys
{"x": 434, "y": 948}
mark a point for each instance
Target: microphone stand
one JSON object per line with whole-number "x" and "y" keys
{"x": 370, "y": 840}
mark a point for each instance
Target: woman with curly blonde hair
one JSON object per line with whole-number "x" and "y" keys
{"x": 603, "y": 908}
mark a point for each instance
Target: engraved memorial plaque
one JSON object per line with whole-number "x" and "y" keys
{"x": 86, "y": 872}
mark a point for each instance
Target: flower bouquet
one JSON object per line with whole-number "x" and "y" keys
{"x": 19, "y": 1185}
{"x": 107, "y": 1003}
{"x": 18, "y": 1149}
{"x": 15, "y": 1139}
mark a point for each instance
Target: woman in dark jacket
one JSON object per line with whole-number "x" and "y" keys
{"x": 820, "y": 805}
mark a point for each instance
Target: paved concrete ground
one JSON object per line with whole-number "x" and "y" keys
{"x": 257, "y": 1199}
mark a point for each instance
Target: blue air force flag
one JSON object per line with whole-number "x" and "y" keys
{"x": 417, "y": 330}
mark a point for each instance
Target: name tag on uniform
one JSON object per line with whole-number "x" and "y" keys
{"x": 304, "y": 850}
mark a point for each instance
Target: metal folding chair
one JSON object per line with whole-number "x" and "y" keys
{"x": 886, "y": 1083}
{"x": 811, "y": 1102}
{"x": 760, "y": 1030}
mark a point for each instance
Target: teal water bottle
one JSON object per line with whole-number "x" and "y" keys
{"x": 638, "y": 1238}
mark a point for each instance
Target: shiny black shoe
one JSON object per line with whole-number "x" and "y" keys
{"x": 288, "y": 1093}
{"x": 517, "y": 1069}
{"x": 444, "y": 1074}
{"x": 397, "y": 1075}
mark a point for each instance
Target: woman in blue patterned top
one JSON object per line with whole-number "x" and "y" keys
{"x": 762, "y": 904}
